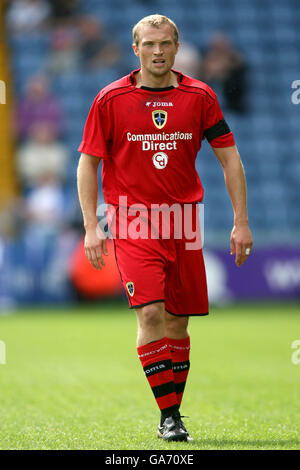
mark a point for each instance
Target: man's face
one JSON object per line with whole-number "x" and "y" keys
{"x": 156, "y": 49}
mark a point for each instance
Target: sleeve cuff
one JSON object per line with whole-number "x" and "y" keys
{"x": 226, "y": 140}
{"x": 84, "y": 148}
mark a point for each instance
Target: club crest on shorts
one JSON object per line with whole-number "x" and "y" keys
{"x": 130, "y": 288}
{"x": 159, "y": 118}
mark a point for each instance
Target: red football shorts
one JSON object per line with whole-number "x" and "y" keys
{"x": 159, "y": 264}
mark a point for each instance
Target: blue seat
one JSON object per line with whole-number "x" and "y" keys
{"x": 67, "y": 83}
{"x": 28, "y": 62}
{"x": 93, "y": 82}
{"x": 31, "y": 43}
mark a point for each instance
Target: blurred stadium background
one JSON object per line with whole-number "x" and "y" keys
{"x": 54, "y": 58}
{"x": 70, "y": 377}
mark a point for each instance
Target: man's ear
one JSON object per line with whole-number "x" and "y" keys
{"x": 135, "y": 49}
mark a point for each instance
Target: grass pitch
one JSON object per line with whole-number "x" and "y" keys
{"x": 73, "y": 380}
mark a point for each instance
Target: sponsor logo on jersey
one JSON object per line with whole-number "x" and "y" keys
{"x": 159, "y": 118}
{"x": 160, "y": 104}
{"x": 160, "y": 160}
{"x": 130, "y": 288}
{"x": 177, "y": 135}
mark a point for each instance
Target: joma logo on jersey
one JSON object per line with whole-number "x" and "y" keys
{"x": 158, "y": 103}
{"x": 159, "y": 118}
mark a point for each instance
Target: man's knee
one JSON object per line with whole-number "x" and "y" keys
{"x": 151, "y": 315}
{"x": 176, "y": 325}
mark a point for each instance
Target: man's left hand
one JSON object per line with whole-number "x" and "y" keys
{"x": 241, "y": 243}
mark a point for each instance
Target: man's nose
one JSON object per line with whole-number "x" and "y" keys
{"x": 157, "y": 49}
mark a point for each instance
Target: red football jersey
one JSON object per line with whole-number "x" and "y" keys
{"x": 149, "y": 139}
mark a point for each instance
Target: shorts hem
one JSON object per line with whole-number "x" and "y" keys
{"x": 147, "y": 303}
{"x": 188, "y": 314}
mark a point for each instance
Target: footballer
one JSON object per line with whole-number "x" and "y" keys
{"x": 147, "y": 129}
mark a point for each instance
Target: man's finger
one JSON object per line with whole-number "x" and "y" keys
{"x": 245, "y": 252}
{"x": 239, "y": 254}
{"x": 232, "y": 247}
{"x": 99, "y": 256}
{"x": 105, "y": 248}
{"x": 92, "y": 257}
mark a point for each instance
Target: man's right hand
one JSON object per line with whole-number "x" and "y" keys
{"x": 95, "y": 247}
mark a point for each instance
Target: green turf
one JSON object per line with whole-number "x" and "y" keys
{"x": 73, "y": 381}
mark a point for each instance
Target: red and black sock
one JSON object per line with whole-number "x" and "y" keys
{"x": 157, "y": 363}
{"x": 180, "y": 354}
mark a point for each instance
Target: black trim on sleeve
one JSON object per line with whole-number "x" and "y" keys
{"x": 219, "y": 129}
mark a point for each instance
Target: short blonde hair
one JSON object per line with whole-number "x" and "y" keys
{"x": 156, "y": 21}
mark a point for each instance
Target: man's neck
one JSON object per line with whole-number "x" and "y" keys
{"x": 150, "y": 81}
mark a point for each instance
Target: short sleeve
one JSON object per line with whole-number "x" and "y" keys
{"x": 216, "y": 129}
{"x": 95, "y": 139}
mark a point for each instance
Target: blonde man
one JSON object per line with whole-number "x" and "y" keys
{"x": 147, "y": 128}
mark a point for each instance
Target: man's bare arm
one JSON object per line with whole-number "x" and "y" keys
{"x": 241, "y": 238}
{"x": 87, "y": 183}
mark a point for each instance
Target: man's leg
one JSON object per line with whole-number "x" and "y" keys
{"x": 179, "y": 344}
{"x": 155, "y": 356}
{"x": 151, "y": 323}
{"x": 154, "y": 353}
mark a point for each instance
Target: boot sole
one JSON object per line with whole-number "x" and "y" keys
{"x": 177, "y": 438}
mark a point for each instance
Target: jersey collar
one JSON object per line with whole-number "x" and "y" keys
{"x": 133, "y": 81}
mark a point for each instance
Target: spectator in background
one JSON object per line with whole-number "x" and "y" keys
{"x": 42, "y": 154}
{"x": 44, "y": 204}
{"x": 223, "y": 64}
{"x": 43, "y": 218}
{"x": 38, "y": 105}
{"x": 188, "y": 60}
{"x": 96, "y": 49}
{"x": 27, "y": 16}
{"x": 64, "y": 55}
{"x": 64, "y": 12}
